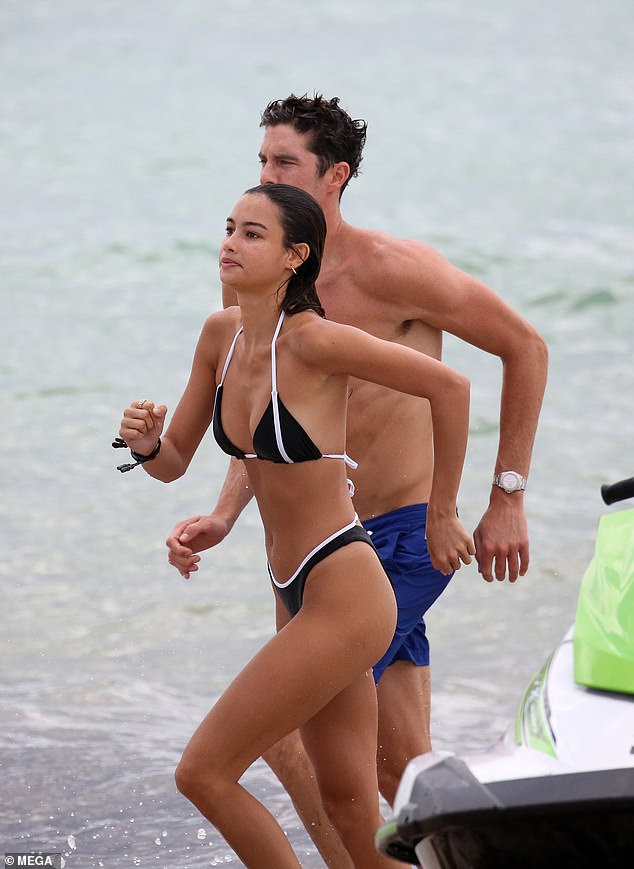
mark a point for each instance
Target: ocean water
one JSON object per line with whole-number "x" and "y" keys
{"x": 500, "y": 133}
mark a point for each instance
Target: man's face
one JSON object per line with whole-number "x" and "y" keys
{"x": 285, "y": 159}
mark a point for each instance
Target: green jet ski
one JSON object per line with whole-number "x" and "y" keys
{"x": 557, "y": 790}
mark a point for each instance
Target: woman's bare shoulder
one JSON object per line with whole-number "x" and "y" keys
{"x": 216, "y": 334}
{"x": 222, "y": 322}
{"x": 313, "y": 337}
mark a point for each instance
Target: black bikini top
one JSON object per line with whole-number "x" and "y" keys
{"x": 278, "y": 436}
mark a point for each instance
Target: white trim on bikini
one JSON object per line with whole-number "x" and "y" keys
{"x": 276, "y": 408}
{"x": 319, "y": 546}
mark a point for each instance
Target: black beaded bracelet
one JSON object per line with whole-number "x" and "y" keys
{"x": 119, "y": 443}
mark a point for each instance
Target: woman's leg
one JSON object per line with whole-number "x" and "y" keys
{"x": 270, "y": 697}
{"x": 341, "y": 739}
{"x": 218, "y": 753}
{"x": 297, "y": 673}
{"x": 341, "y": 742}
{"x": 292, "y": 766}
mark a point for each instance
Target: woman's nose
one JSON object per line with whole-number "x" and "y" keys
{"x": 226, "y": 247}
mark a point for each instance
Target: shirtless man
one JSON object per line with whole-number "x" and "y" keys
{"x": 404, "y": 291}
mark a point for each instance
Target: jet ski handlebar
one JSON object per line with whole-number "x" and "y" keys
{"x": 612, "y": 492}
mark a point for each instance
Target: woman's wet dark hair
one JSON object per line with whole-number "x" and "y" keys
{"x": 302, "y": 221}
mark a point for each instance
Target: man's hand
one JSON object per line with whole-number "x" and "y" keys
{"x": 502, "y": 537}
{"x": 191, "y": 536}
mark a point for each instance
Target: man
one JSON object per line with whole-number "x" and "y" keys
{"x": 400, "y": 290}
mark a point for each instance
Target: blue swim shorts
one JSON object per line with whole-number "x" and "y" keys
{"x": 399, "y": 537}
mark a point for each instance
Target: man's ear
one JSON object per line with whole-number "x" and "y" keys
{"x": 340, "y": 173}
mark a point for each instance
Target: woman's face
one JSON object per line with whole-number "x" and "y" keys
{"x": 252, "y": 252}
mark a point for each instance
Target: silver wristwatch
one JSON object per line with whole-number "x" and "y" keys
{"x": 510, "y": 481}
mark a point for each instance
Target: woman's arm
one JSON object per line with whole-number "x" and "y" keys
{"x": 339, "y": 349}
{"x": 142, "y": 426}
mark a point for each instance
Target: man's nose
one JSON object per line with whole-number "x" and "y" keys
{"x": 267, "y": 174}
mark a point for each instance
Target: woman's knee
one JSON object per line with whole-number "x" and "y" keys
{"x": 195, "y": 779}
{"x": 187, "y": 776}
{"x": 347, "y": 812}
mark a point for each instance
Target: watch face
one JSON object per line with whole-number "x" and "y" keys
{"x": 509, "y": 481}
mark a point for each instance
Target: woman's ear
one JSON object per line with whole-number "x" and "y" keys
{"x": 297, "y": 255}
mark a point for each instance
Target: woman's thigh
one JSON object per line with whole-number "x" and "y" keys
{"x": 351, "y": 592}
{"x": 328, "y": 645}
{"x": 341, "y": 742}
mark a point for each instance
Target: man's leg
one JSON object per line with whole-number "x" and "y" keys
{"x": 402, "y": 674}
{"x": 290, "y": 763}
{"x": 404, "y": 722}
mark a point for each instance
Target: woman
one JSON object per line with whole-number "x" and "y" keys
{"x": 339, "y": 609}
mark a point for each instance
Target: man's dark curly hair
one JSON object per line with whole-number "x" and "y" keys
{"x": 334, "y": 137}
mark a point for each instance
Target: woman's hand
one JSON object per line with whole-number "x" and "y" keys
{"x": 448, "y": 542}
{"x": 142, "y": 425}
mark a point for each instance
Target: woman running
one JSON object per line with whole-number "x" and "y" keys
{"x": 272, "y": 373}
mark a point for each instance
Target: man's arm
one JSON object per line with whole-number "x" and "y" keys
{"x": 501, "y": 536}
{"x": 453, "y": 301}
{"x": 193, "y": 535}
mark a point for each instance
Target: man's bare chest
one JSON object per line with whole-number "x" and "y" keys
{"x": 345, "y": 301}
{"x": 377, "y": 313}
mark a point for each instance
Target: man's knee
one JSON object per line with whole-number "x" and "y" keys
{"x": 404, "y": 722}
{"x": 389, "y": 779}
{"x": 286, "y": 756}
